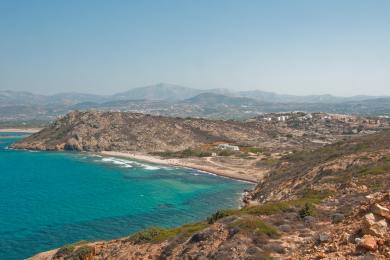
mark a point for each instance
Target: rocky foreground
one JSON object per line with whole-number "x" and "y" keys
{"x": 328, "y": 203}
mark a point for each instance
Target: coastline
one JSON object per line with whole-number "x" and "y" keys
{"x": 20, "y": 130}
{"x": 182, "y": 162}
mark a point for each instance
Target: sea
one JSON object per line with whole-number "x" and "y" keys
{"x": 49, "y": 199}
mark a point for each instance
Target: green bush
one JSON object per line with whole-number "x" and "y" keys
{"x": 307, "y": 210}
{"x": 184, "y": 154}
{"x": 82, "y": 252}
{"x": 221, "y": 214}
{"x": 157, "y": 235}
{"x": 225, "y": 153}
{"x": 151, "y": 235}
{"x": 65, "y": 251}
{"x": 255, "y": 150}
{"x": 254, "y": 225}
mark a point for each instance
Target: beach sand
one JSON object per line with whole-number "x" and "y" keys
{"x": 20, "y": 130}
{"x": 235, "y": 169}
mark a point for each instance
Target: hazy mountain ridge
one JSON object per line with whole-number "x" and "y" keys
{"x": 167, "y": 92}
{"x": 178, "y": 101}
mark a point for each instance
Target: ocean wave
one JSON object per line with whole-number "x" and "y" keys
{"x": 127, "y": 163}
{"x": 150, "y": 167}
{"x": 120, "y": 162}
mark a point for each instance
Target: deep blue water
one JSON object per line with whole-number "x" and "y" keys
{"x": 48, "y": 199}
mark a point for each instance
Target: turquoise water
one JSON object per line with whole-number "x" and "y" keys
{"x": 49, "y": 199}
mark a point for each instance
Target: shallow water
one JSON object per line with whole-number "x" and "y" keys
{"x": 48, "y": 199}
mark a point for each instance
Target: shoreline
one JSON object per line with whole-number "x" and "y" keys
{"x": 178, "y": 162}
{"x": 20, "y": 130}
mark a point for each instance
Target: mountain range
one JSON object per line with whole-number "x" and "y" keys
{"x": 165, "y": 92}
{"x": 179, "y": 101}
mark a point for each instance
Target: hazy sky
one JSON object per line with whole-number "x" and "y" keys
{"x": 293, "y": 47}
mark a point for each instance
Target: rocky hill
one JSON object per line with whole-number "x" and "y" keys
{"x": 327, "y": 203}
{"x": 115, "y": 131}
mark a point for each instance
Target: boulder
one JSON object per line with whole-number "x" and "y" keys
{"x": 323, "y": 237}
{"x": 285, "y": 228}
{"x": 374, "y": 227}
{"x": 337, "y": 218}
{"x": 381, "y": 211}
{"x": 368, "y": 242}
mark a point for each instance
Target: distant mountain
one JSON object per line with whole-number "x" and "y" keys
{"x": 279, "y": 98}
{"x": 158, "y": 92}
{"x": 18, "y": 98}
{"x": 211, "y": 99}
{"x": 71, "y": 98}
{"x": 10, "y": 98}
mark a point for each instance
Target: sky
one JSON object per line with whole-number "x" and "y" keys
{"x": 297, "y": 47}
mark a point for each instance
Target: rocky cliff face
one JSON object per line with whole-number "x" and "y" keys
{"x": 96, "y": 131}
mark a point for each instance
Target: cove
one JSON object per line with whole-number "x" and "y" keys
{"x": 49, "y": 199}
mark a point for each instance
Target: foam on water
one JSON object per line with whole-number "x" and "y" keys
{"x": 129, "y": 164}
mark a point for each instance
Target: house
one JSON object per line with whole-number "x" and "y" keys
{"x": 228, "y": 147}
{"x": 282, "y": 118}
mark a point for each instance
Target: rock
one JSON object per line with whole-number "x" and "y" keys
{"x": 381, "y": 211}
{"x": 285, "y": 228}
{"x": 201, "y": 236}
{"x": 374, "y": 227}
{"x": 369, "y": 219}
{"x": 233, "y": 231}
{"x": 323, "y": 237}
{"x": 72, "y": 145}
{"x": 337, "y": 218}
{"x": 254, "y": 250}
{"x": 309, "y": 220}
{"x": 345, "y": 238}
{"x": 368, "y": 242}
{"x": 367, "y": 256}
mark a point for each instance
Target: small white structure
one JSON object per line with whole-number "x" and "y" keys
{"x": 228, "y": 147}
{"x": 282, "y": 118}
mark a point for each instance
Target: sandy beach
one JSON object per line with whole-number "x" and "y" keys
{"x": 20, "y": 130}
{"x": 203, "y": 164}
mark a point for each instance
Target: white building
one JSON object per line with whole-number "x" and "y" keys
{"x": 228, "y": 147}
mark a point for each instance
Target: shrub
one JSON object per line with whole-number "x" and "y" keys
{"x": 82, "y": 252}
{"x": 221, "y": 214}
{"x": 64, "y": 251}
{"x": 253, "y": 225}
{"x": 151, "y": 235}
{"x": 255, "y": 150}
{"x": 157, "y": 235}
{"x": 307, "y": 210}
{"x": 225, "y": 153}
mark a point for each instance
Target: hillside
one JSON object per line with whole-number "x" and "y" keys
{"x": 115, "y": 131}
{"x": 328, "y": 203}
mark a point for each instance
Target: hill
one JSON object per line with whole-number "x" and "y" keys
{"x": 96, "y": 131}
